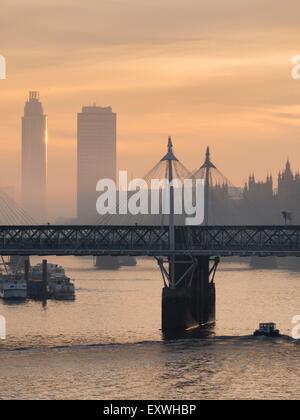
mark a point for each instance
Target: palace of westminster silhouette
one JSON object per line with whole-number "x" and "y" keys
{"x": 260, "y": 203}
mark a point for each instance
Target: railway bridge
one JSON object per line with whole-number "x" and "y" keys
{"x": 188, "y": 259}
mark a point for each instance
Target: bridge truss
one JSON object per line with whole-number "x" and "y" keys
{"x": 219, "y": 241}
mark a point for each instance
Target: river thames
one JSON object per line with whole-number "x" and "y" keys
{"x": 108, "y": 344}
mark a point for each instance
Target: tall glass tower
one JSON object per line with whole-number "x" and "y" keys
{"x": 34, "y": 159}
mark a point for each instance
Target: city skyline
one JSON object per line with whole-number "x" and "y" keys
{"x": 111, "y": 169}
{"x": 224, "y": 81}
{"x": 149, "y": 202}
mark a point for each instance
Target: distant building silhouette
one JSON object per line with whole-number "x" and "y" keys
{"x": 96, "y": 156}
{"x": 288, "y": 185}
{"x": 34, "y": 158}
{"x": 263, "y": 204}
{"x": 259, "y": 203}
{"x": 259, "y": 191}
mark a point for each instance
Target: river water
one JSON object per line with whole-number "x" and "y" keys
{"x": 108, "y": 344}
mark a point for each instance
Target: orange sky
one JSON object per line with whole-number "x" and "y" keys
{"x": 216, "y": 73}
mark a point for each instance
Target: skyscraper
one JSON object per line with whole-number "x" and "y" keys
{"x": 34, "y": 158}
{"x": 96, "y": 156}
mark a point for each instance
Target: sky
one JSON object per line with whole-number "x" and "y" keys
{"x": 212, "y": 73}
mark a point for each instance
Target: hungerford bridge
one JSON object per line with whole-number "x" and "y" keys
{"x": 188, "y": 256}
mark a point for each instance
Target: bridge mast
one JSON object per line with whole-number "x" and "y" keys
{"x": 170, "y": 158}
{"x": 207, "y": 166}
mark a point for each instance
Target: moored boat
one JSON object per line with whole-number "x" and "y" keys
{"x": 52, "y": 269}
{"x": 13, "y": 287}
{"x": 60, "y": 287}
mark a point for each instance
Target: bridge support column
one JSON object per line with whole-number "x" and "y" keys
{"x": 192, "y": 302}
{"x": 26, "y": 270}
{"x": 44, "y": 279}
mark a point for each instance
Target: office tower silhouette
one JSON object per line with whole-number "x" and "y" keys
{"x": 96, "y": 156}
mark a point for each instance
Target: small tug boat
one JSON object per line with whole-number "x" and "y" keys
{"x": 267, "y": 330}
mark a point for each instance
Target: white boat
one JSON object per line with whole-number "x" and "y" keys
{"x": 60, "y": 287}
{"x": 13, "y": 287}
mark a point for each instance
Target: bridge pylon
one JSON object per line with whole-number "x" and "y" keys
{"x": 192, "y": 302}
{"x": 188, "y": 296}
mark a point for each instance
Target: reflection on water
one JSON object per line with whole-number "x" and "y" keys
{"x": 176, "y": 369}
{"x": 108, "y": 343}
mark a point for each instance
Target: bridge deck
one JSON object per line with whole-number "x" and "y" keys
{"x": 150, "y": 240}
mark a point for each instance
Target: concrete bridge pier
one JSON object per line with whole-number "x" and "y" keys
{"x": 191, "y": 301}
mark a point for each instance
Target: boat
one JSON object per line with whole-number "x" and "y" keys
{"x": 52, "y": 269}
{"x": 13, "y": 287}
{"x": 60, "y": 287}
{"x": 267, "y": 330}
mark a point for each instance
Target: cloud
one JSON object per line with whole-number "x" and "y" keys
{"x": 287, "y": 115}
{"x": 214, "y": 71}
{"x": 76, "y": 23}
